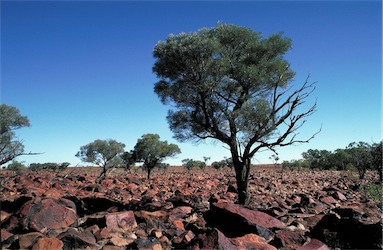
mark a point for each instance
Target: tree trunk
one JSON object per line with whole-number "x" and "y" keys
{"x": 149, "y": 170}
{"x": 242, "y": 170}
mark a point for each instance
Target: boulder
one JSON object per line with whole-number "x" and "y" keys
{"x": 251, "y": 241}
{"x": 48, "y": 214}
{"x": 235, "y": 220}
{"x": 48, "y": 244}
{"x": 314, "y": 244}
{"x": 27, "y": 240}
{"x": 121, "y": 221}
{"x": 76, "y": 239}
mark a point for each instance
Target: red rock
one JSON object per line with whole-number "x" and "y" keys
{"x": 251, "y": 241}
{"x": 4, "y": 215}
{"x": 49, "y": 213}
{"x": 5, "y": 235}
{"x": 338, "y": 195}
{"x": 179, "y": 212}
{"x": 148, "y": 244}
{"x": 75, "y": 239}
{"x": 27, "y": 240}
{"x": 122, "y": 241}
{"x": 314, "y": 244}
{"x": 179, "y": 224}
{"x": 328, "y": 200}
{"x": 252, "y": 217}
{"x": 48, "y": 244}
{"x": 289, "y": 239}
{"x": 102, "y": 234}
{"x": 120, "y": 221}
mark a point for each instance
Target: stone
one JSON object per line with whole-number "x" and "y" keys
{"x": 48, "y": 214}
{"x": 328, "y": 200}
{"x": 48, "y": 244}
{"x": 75, "y": 239}
{"x": 148, "y": 244}
{"x": 4, "y": 215}
{"x": 5, "y": 235}
{"x": 121, "y": 221}
{"x": 179, "y": 212}
{"x": 234, "y": 220}
{"x": 314, "y": 244}
{"x": 102, "y": 234}
{"x": 27, "y": 240}
{"x": 288, "y": 239}
{"x": 251, "y": 241}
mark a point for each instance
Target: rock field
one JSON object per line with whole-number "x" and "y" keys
{"x": 180, "y": 209}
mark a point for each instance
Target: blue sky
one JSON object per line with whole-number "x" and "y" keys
{"x": 82, "y": 71}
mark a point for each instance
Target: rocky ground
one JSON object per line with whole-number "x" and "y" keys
{"x": 180, "y": 209}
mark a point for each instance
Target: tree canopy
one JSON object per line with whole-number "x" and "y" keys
{"x": 231, "y": 84}
{"x": 10, "y": 145}
{"x": 104, "y": 153}
{"x": 151, "y": 151}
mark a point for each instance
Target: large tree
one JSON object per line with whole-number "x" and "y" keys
{"x": 231, "y": 84}
{"x": 151, "y": 151}
{"x": 104, "y": 153}
{"x": 10, "y": 145}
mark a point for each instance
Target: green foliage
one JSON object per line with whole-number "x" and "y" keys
{"x": 151, "y": 151}
{"x": 101, "y": 152}
{"x": 190, "y": 164}
{"x": 230, "y": 84}
{"x": 358, "y": 155}
{"x": 10, "y": 145}
{"x": 373, "y": 191}
{"x": 15, "y": 166}
{"x": 227, "y": 162}
{"x": 295, "y": 164}
{"x": 48, "y": 166}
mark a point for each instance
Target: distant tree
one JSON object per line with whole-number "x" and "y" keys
{"x": 189, "y": 164}
{"x": 361, "y": 157}
{"x": 50, "y": 166}
{"x": 102, "y": 153}
{"x": 151, "y": 151}
{"x": 10, "y": 145}
{"x": 206, "y": 159}
{"x": 16, "y": 166}
{"x": 274, "y": 158}
{"x": 226, "y": 162}
{"x": 377, "y": 158}
{"x": 320, "y": 159}
{"x": 230, "y": 84}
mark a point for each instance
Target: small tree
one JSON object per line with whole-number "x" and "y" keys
{"x": 102, "y": 153}
{"x": 230, "y": 84}
{"x": 361, "y": 157}
{"x": 189, "y": 164}
{"x": 151, "y": 151}
{"x": 10, "y": 145}
{"x": 376, "y": 153}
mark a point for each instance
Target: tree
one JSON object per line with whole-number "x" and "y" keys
{"x": 151, "y": 151}
{"x": 10, "y": 146}
{"x": 377, "y": 158}
{"x": 361, "y": 157}
{"x": 230, "y": 84}
{"x": 190, "y": 163}
{"x": 102, "y": 153}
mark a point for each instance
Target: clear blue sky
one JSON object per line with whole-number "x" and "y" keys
{"x": 82, "y": 71}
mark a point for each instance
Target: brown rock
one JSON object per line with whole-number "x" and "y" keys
{"x": 252, "y": 217}
{"x": 75, "y": 239}
{"x": 251, "y": 241}
{"x": 48, "y": 214}
{"x": 102, "y": 234}
{"x": 314, "y": 244}
{"x": 328, "y": 200}
{"x": 120, "y": 221}
{"x": 27, "y": 240}
{"x": 148, "y": 244}
{"x": 48, "y": 244}
{"x": 289, "y": 239}
{"x": 4, "y": 215}
{"x": 5, "y": 235}
{"x": 179, "y": 212}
